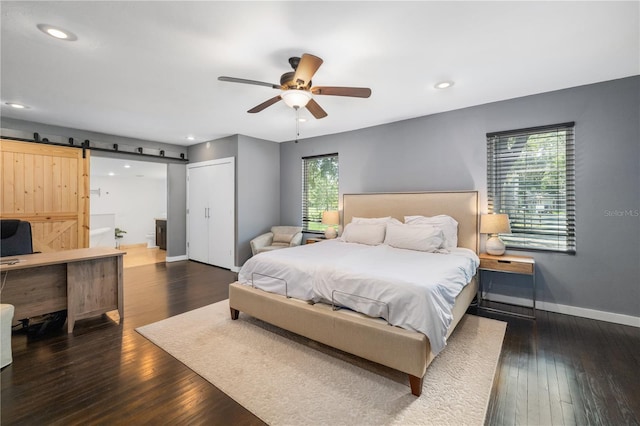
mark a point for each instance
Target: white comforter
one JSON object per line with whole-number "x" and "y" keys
{"x": 410, "y": 289}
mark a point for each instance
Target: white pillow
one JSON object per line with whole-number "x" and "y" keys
{"x": 364, "y": 233}
{"x": 448, "y": 225}
{"x": 387, "y": 219}
{"x": 414, "y": 237}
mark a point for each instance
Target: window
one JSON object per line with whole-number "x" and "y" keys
{"x": 319, "y": 190}
{"x": 530, "y": 177}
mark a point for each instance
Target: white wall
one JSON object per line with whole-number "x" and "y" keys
{"x": 135, "y": 201}
{"x": 102, "y": 230}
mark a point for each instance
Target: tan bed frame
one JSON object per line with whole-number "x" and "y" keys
{"x": 366, "y": 337}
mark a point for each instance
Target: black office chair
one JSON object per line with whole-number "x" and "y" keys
{"x": 16, "y": 240}
{"x": 15, "y": 237}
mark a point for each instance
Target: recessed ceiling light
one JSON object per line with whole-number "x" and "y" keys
{"x": 191, "y": 138}
{"x": 57, "y": 32}
{"x": 302, "y": 120}
{"x": 111, "y": 174}
{"x": 17, "y": 106}
{"x": 443, "y": 85}
{"x": 127, "y": 166}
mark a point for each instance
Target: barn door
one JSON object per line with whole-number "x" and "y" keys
{"x": 48, "y": 186}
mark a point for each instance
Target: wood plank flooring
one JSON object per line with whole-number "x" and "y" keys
{"x": 138, "y": 255}
{"x": 554, "y": 371}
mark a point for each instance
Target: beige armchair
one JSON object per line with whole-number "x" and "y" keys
{"x": 279, "y": 237}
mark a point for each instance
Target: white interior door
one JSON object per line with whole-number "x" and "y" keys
{"x": 211, "y": 215}
{"x": 222, "y": 215}
{"x": 197, "y": 216}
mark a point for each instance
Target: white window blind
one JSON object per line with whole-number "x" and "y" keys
{"x": 319, "y": 190}
{"x": 531, "y": 177}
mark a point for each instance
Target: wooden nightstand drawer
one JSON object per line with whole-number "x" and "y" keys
{"x": 507, "y": 265}
{"x": 314, "y": 240}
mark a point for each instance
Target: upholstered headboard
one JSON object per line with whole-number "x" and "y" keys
{"x": 461, "y": 205}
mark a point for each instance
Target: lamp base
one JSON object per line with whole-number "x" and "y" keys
{"x": 330, "y": 233}
{"x": 495, "y": 246}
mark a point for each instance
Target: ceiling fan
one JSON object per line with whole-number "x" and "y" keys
{"x": 297, "y": 91}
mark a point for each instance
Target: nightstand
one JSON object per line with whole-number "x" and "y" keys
{"x": 314, "y": 240}
{"x": 522, "y": 265}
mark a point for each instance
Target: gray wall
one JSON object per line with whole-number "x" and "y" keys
{"x": 448, "y": 152}
{"x": 176, "y": 210}
{"x": 258, "y": 191}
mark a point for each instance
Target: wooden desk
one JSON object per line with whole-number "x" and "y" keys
{"x": 86, "y": 282}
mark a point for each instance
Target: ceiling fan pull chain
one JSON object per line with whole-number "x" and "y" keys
{"x": 297, "y": 123}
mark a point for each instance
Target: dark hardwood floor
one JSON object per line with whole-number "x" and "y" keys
{"x": 553, "y": 371}
{"x": 566, "y": 370}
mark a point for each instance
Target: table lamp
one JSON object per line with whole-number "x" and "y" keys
{"x": 494, "y": 224}
{"x": 331, "y": 218}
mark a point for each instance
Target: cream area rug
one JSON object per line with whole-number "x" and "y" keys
{"x": 285, "y": 379}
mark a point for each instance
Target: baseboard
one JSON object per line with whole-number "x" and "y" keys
{"x": 176, "y": 258}
{"x": 568, "y": 310}
{"x": 235, "y": 269}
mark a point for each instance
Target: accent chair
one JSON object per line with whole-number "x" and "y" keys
{"x": 280, "y": 237}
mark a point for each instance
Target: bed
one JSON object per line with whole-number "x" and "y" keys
{"x": 314, "y": 314}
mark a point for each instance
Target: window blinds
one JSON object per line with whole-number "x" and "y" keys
{"x": 531, "y": 177}
{"x": 319, "y": 189}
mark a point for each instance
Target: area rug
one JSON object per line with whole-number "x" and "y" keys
{"x": 285, "y": 379}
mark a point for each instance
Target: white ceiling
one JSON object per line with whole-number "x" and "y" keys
{"x": 149, "y": 70}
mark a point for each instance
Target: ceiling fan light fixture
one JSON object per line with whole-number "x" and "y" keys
{"x": 296, "y": 98}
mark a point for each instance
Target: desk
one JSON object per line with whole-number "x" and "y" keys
{"x": 86, "y": 282}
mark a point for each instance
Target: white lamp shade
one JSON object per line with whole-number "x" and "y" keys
{"x": 330, "y": 217}
{"x": 494, "y": 224}
{"x": 295, "y": 98}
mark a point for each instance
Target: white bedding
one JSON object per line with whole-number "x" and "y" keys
{"x": 297, "y": 266}
{"x": 413, "y": 289}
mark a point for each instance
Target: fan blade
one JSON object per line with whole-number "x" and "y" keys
{"x": 245, "y": 81}
{"x": 316, "y": 110}
{"x": 264, "y": 105}
{"x": 356, "y": 92}
{"x": 307, "y": 67}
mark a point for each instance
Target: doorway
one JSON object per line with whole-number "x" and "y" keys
{"x": 126, "y": 199}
